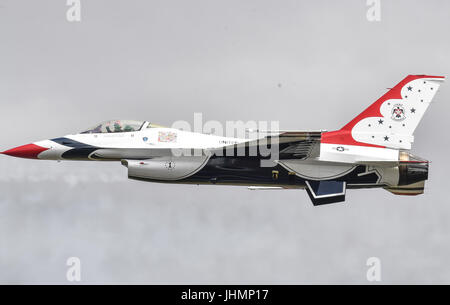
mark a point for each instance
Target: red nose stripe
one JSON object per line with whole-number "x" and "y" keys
{"x": 29, "y": 151}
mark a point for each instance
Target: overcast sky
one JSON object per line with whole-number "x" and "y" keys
{"x": 308, "y": 64}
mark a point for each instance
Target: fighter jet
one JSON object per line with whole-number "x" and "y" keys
{"x": 371, "y": 151}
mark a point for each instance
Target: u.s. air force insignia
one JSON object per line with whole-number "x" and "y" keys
{"x": 340, "y": 148}
{"x": 398, "y": 112}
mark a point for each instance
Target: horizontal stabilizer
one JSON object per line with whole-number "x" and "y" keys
{"x": 326, "y": 191}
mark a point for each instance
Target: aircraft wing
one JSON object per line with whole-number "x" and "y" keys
{"x": 291, "y": 145}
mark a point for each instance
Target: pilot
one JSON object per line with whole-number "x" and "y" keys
{"x": 128, "y": 128}
{"x": 117, "y": 127}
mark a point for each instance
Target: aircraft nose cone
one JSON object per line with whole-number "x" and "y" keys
{"x": 29, "y": 151}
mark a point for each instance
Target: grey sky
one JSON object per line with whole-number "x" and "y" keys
{"x": 164, "y": 60}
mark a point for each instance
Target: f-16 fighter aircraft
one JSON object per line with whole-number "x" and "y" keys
{"x": 371, "y": 151}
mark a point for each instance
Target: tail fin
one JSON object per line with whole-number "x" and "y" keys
{"x": 391, "y": 120}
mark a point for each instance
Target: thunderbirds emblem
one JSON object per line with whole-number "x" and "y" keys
{"x": 398, "y": 112}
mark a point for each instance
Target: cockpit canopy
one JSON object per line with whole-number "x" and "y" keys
{"x": 115, "y": 126}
